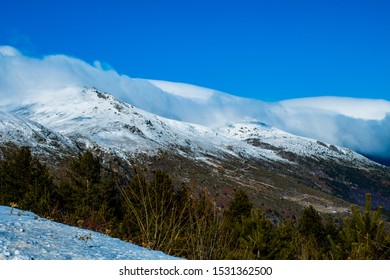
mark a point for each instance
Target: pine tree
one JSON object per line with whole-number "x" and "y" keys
{"x": 363, "y": 236}
{"x": 25, "y": 181}
{"x": 310, "y": 225}
{"x": 256, "y": 236}
{"x": 90, "y": 199}
{"x": 15, "y": 174}
{"x": 239, "y": 207}
{"x": 86, "y": 169}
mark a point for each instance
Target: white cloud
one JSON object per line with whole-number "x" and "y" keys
{"x": 362, "y": 108}
{"x": 368, "y": 136}
{"x": 8, "y": 51}
{"x": 361, "y": 124}
{"x": 184, "y": 90}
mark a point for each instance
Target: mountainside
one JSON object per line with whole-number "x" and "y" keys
{"x": 281, "y": 171}
{"x": 24, "y": 132}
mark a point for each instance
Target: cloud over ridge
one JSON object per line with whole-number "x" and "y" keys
{"x": 360, "y": 124}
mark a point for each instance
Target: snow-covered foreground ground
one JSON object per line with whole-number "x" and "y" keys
{"x": 25, "y": 236}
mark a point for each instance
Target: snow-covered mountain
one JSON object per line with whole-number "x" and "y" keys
{"x": 204, "y": 137}
{"x": 25, "y": 236}
{"x": 360, "y": 124}
{"x": 99, "y": 120}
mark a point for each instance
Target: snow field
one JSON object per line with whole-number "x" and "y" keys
{"x": 25, "y": 236}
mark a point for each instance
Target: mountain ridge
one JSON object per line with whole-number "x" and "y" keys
{"x": 279, "y": 170}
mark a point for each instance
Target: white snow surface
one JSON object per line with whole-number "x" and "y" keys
{"x": 288, "y": 142}
{"x": 24, "y": 132}
{"x": 25, "y": 236}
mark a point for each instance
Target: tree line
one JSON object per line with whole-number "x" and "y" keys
{"x": 150, "y": 210}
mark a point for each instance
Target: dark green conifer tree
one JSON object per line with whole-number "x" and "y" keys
{"x": 90, "y": 200}
{"x": 25, "y": 181}
{"x": 239, "y": 207}
{"x": 363, "y": 235}
{"x": 310, "y": 225}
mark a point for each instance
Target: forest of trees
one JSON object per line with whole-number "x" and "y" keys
{"x": 150, "y": 211}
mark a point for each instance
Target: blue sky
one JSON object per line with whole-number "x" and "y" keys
{"x": 268, "y": 50}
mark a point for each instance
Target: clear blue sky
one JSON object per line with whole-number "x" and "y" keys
{"x": 264, "y": 49}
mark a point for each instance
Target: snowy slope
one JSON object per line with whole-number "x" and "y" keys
{"x": 25, "y": 236}
{"x": 259, "y": 133}
{"x": 21, "y": 131}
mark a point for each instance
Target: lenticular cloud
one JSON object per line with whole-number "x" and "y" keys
{"x": 360, "y": 124}
{"x": 368, "y": 134}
